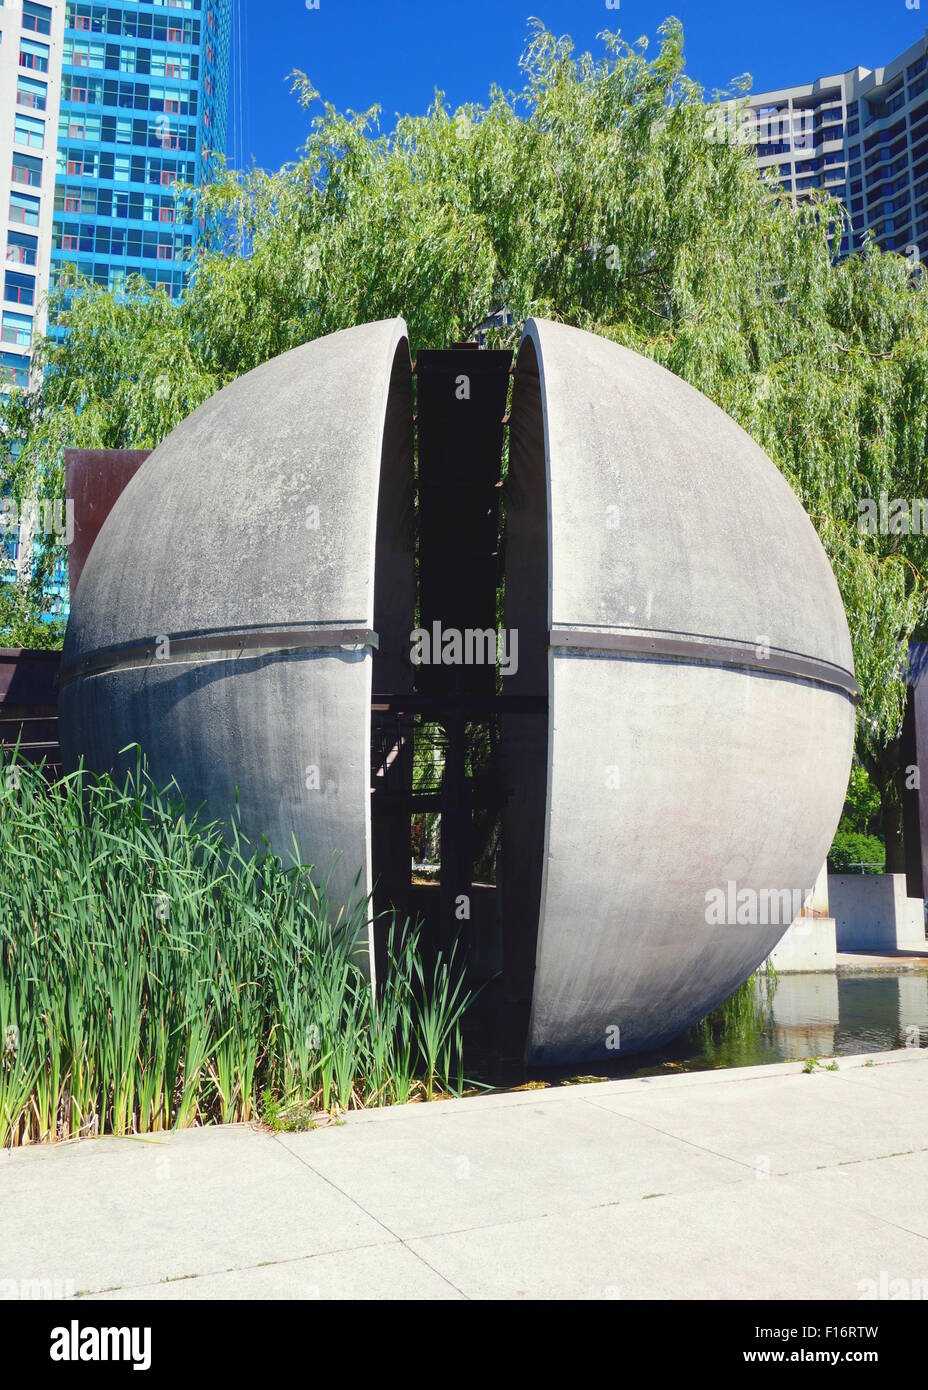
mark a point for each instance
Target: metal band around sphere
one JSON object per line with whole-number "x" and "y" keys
{"x": 217, "y": 646}
{"x": 709, "y": 651}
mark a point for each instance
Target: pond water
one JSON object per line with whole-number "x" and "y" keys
{"x": 786, "y": 1018}
{"x": 807, "y": 1015}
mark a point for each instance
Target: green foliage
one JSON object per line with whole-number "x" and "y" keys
{"x": 593, "y": 196}
{"x": 858, "y": 838}
{"x": 152, "y": 975}
{"x": 862, "y": 803}
{"x": 21, "y": 623}
{"x": 850, "y": 849}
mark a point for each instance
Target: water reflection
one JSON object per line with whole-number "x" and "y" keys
{"x": 786, "y": 1018}
{"x": 796, "y": 1016}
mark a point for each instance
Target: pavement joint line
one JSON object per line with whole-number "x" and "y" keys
{"x": 878, "y": 1158}
{"x": 884, "y": 1220}
{"x": 382, "y": 1224}
{"x": 854, "y": 1081}
{"x": 668, "y": 1134}
{"x": 782, "y": 1173}
{"x": 232, "y": 1269}
{"x": 502, "y": 1223}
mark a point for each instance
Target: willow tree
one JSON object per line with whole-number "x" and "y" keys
{"x": 600, "y": 194}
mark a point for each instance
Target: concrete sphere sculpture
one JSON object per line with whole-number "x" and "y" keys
{"x": 699, "y": 671}
{"x": 225, "y": 617}
{"x": 674, "y": 607}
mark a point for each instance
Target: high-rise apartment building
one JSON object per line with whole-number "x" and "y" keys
{"x": 30, "y": 87}
{"x": 144, "y": 89}
{"x": 105, "y": 111}
{"x": 863, "y": 136}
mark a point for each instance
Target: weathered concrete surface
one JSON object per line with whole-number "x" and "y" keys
{"x": 761, "y": 1182}
{"x": 667, "y": 778}
{"x": 809, "y": 942}
{"x": 873, "y": 913}
{"x": 259, "y": 513}
{"x": 892, "y": 961}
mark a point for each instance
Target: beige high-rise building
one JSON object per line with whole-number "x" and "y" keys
{"x": 862, "y": 135}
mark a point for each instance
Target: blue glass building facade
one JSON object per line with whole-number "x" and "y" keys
{"x": 144, "y": 89}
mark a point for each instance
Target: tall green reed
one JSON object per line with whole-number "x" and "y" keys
{"x": 157, "y": 971}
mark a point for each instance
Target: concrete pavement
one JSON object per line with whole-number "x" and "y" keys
{"x": 756, "y": 1182}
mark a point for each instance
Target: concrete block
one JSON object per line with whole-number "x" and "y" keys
{"x": 808, "y": 944}
{"x": 873, "y": 913}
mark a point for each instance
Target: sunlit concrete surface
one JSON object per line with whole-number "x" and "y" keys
{"x": 761, "y": 1182}
{"x": 256, "y": 520}
{"x": 873, "y": 912}
{"x": 667, "y": 777}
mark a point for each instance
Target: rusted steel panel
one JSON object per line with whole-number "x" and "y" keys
{"x": 95, "y": 478}
{"x": 28, "y": 704}
{"x": 28, "y": 677}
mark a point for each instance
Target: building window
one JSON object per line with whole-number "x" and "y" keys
{"x": 38, "y": 18}
{"x": 31, "y": 93}
{"x": 21, "y": 248}
{"x": 29, "y": 131}
{"x": 33, "y": 55}
{"x": 17, "y": 329}
{"x": 27, "y": 169}
{"x": 18, "y": 288}
{"x": 14, "y": 370}
{"x": 24, "y": 209}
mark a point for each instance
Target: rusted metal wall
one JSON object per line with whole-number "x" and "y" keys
{"x": 29, "y": 678}
{"x": 95, "y": 478}
{"x": 29, "y": 704}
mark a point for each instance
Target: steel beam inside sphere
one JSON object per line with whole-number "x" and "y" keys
{"x": 460, "y": 404}
{"x": 638, "y": 508}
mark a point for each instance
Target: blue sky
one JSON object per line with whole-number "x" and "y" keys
{"x": 394, "y": 53}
